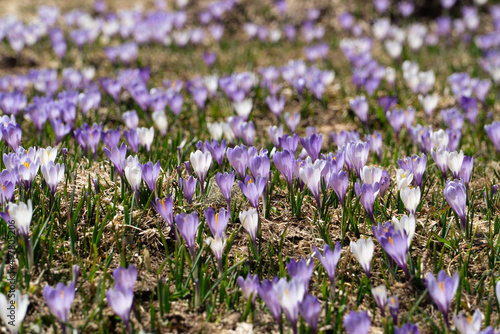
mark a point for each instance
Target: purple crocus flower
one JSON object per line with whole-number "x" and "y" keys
{"x": 121, "y": 299}
{"x": 396, "y": 119}
{"x": 393, "y": 302}
{"x": 375, "y": 141}
{"x": 59, "y": 300}
{"x": 247, "y": 132}
{"x": 209, "y": 58}
{"x": 329, "y": 261}
{"x": 470, "y": 106}
{"x": 188, "y": 188}
{"x": 309, "y": 309}
{"x": 492, "y": 130}
{"x": 292, "y": 120}
{"x": 217, "y": 150}
{"x": 379, "y": 293}
{"x": 418, "y": 167}
{"x": 387, "y": 102}
{"x": 289, "y": 143}
{"x": 385, "y": 182}
{"x": 356, "y": 155}
{"x": 275, "y": 133}
{"x": 367, "y": 193}
{"x": 225, "y": 182}
{"x": 301, "y": 271}
{"x": 111, "y": 137}
{"x": 238, "y": 158}
{"x": 188, "y": 227}
{"x": 290, "y": 295}
{"x": 284, "y": 163}
{"x": 28, "y": 170}
{"x": 150, "y": 174}
{"x": 217, "y": 222}
{"x": 360, "y": 107}
{"x": 456, "y": 195}
{"x": 249, "y": 286}
{"x": 276, "y": 105}
{"x": 260, "y": 165}
{"x": 132, "y": 139}
{"x": 466, "y": 169}
{"x": 339, "y": 183}
{"x": 357, "y": 322}
{"x": 253, "y": 189}
{"x": 454, "y": 139}
{"x": 395, "y": 244}
{"x": 164, "y": 207}
{"x": 409, "y": 328}
{"x": 131, "y": 119}
{"x": 117, "y": 156}
{"x": 442, "y": 291}
{"x": 267, "y": 294}
{"x": 312, "y": 145}
{"x": 12, "y": 134}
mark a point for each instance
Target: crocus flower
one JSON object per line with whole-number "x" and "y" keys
{"x": 375, "y": 141}
{"x": 309, "y": 309}
{"x": 259, "y": 164}
{"x": 267, "y": 294}
{"x": 363, "y": 252}
{"x": 188, "y": 188}
{"x": 312, "y": 145}
{"x": 409, "y": 328}
{"x": 380, "y": 295}
{"x": 253, "y": 189}
{"x": 12, "y": 134}
{"x": 357, "y": 322}
{"x": 134, "y": 177}
{"x": 217, "y": 222}
{"x": 59, "y": 300}
{"x": 396, "y": 119}
{"x": 329, "y": 260}
{"x": 150, "y": 174}
{"x": 47, "y": 154}
{"x": 339, "y": 183}
{"x": 356, "y": 156}
{"x": 217, "y": 245}
{"x": 371, "y": 175}
{"x": 442, "y": 291}
{"x": 164, "y": 207}
{"x": 396, "y": 246}
{"x": 117, "y": 155}
{"x": 428, "y": 102}
{"x": 440, "y": 158}
{"x": 289, "y": 143}
{"x": 188, "y": 227}
{"x": 393, "y": 303}
{"x": 385, "y": 182}
{"x": 217, "y": 150}
{"x": 21, "y": 214}
{"x": 466, "y": 170}
{"x": 411, "y": 198}
{"x": 276, "y": 105}
{"x": 225, "y": 182}
{"x": 493, "y": 131}
{"x": 406, "y": 224}
{"x": 132, "y": 139}
{"x": 131, "y": 119}
{"x": 454, "y": 161}
{"x": 403, "y": 178}
{"x": 290, "y": 295}
{"x": 238, "y": 158}
{"x": 249, "y": 286}
{"x": 301, "y": 271}
{"x": 120, "y": 299}
{"x": 284, "y": 163}
{"x": 13, "y": 310}
{"x": 201, "y": 163}
{"x": 310, "y": 174}
{"x": 360, "y": 107}
{"x": 468, "y": 324}
{"x": 53, "y": 174}
{"x": 367, "y": 193}
{"x": 456, "y": 195}
{"x": 292, "y": 120}
{"x": 27, "y": 171}
{"x": 250, "y": 221}
{"x": 146, "y": 137}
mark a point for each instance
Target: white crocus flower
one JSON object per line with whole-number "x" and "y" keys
{"x": 411, "y": 198}
{"x": 21, "y": 215}
{"x": 439, "y": 138}
{"x": 406, "y": 223}
{"x": 243, "y": 108}
{"x": 371, "y": 175}
{"x": 134, "y": 177}
{"x": 363, "y": 252}
{"x": 160, "y": 121}
{"x": 216, "y": 130}
{"x": 428, "y": 102}
{"x": 454, "y": 161}
{"x": 403, "y": 178}
{"x": 46, "y": 155}
{"x": 201, "y": 162}
{"x": 250, "y": 221}
{"x": 13, "y": 311}
{"x": 146, "y": 137}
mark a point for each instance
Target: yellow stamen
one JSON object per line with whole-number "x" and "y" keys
{"x": 250, "y": 181}
{"x": 163, "y": 203}
{"x": 286, "y": 291}
{"x": 390, "y": 240}
{"x": 27, "y": 164}
{"x": 470, "y": 319}
{"x": 441, "y": 286}
{"x": 62, "y": 294}
{"x": 403, "y": 175}
{"x": 3, "y": 188}
{"x": 216, "y": 220}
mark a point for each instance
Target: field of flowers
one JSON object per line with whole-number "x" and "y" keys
{"x": 239, "y": 166}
